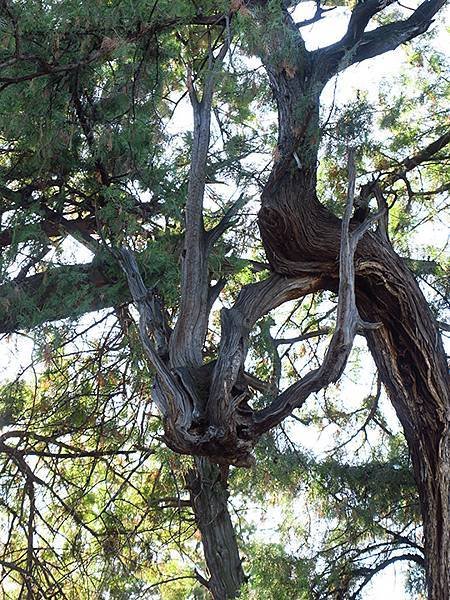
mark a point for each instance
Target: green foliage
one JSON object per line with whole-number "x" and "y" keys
{"x": 276, "y": 575}
{"x": 416, "y": 583}
{"x": 14, "y": 397}
{"x": 113, "y": 505}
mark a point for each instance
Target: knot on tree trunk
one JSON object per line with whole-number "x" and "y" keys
{"x": 228, "y": 442}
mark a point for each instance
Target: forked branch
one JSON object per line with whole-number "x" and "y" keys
{"x": 358, "y": 45}
{"x": 348, "y": 322}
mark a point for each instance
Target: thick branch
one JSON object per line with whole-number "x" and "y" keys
{"x": 149, "y": 305}
{"x": 347, "y": 323}
{"x": 359, "y": 19}
{"x": 411, "y": 162}
{"x": 50, "y": 228}
{"x": 68, "y": 292}
{"x": 254, "y": 301}
{"x": 170, "y": 397}
{"x": 59, "y": 293}
{"x": 63, "y": 292}
{"x": 344, "y": 53}
{"x": 186, "y": 344}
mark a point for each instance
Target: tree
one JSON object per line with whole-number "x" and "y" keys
{"x": 86, "y": 95}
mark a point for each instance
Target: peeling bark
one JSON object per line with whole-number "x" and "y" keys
{"x": 407, "y": 350}
{"x": 298, "y": 231}
{"x": 410, "y": 358}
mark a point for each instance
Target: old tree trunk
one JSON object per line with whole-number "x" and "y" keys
{"x": 206, "y": 404}
{"x": 407, "y": 348}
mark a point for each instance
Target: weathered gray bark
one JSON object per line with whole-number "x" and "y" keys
{"x": 178, "y": 359}
{"x": 303, "y": 241}
{"x": 209, "y": 498}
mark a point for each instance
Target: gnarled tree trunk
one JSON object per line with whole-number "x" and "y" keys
{"x": 205, "y": 406}
{"x": 409, "y": 356}
{"x": 407, "y": 349}
{"x": 300, "y": 235}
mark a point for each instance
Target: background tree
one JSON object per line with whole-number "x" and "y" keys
{"x": 165, "y": 217}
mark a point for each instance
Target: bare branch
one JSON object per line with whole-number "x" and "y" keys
{"x": 443, "y": 326}
{"x": 411, "y": 162}
{"x": 148, "y": 303}
{"x": 359, "y": 19}
{"x": 50, "y": 228}
{"x": 254, "y": 301}
{"x": 318, "y": 15}
{"x": 227, "y": 221}
{"x": 302, "y": 337}
{"x": 186, "y": 344}
{"x": 371, "y": 572}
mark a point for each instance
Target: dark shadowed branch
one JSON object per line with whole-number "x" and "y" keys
{"x": 357, "y": 45}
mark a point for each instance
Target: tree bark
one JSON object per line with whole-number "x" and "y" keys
{"x": 407, "y": 349}
{"x": 209, "y": 498}
{"x": 204, "y": 406}
{"x": 411, "y": 361}
{"x": 298, "y": 231}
